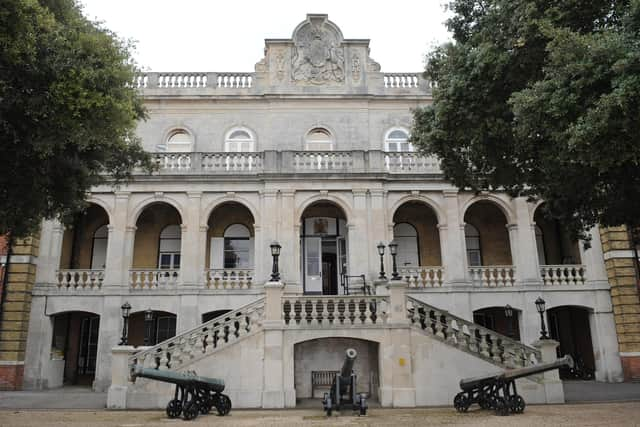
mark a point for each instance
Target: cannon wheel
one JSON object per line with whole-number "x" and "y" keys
{"x": 190, "y": 411}
{"x": 501, "y": 406}
{"x": 223, "y": 404}
{"x": 461, "y": 402}
{"x": 516, "y": 404}
{"x": 174, "y": 408}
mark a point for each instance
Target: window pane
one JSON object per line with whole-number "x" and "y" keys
{"x": 165, "y": 260}
{"x": 398, "y": 134}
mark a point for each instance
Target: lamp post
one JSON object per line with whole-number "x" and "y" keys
{"x": 540, "y": 306}
{"x": 508, "y": 313}
{"x": 393, "y": 248}
{"x": 126, "y": 309}
{"x": 382, "y": 276}
{"x": 148, "y": 323}
{"x": 275, "y": 253}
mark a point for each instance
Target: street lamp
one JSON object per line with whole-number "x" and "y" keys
{"x": 148, "y": 323}
{"x": 381, "y": 253}
{"x": 126, "y": 309}
{"x": 540, "y": 306}
{"x": 508, "y": 313}
{"x": 393, "y": 248}
{"x": 275, "y": 253}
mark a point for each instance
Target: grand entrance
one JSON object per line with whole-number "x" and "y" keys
{"x": 323, "y": 243}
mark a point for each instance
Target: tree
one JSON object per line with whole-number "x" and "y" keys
{"x": 542, "y": 99}
{"x": 67, "y": 112}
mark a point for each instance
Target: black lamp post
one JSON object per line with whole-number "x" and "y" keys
{"x": 275, "y": 253}
{"x": 148, "y": 323}
{"x": 381, "y": 253}
{"x": 540, "y": 306}
{"x": 508, "y": 313}
{"x": 126, "y": 309}
{"x": 393, "y": 248}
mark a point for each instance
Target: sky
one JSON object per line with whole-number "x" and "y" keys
{"x": 226, "y": 35}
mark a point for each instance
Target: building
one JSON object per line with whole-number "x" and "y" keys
{"x": 311, "y": 150}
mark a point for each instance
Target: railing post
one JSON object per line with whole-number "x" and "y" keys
{"x": 553, "y": 388}
{"x": 273, "y": 302}
{"x": 117, "y": 394}
{"x": 397, "y": 302}
{"x": 273, "y": 394}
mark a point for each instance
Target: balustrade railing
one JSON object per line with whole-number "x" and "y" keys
{"x": 181, "y": 80}
{"x": 422, "y": 277}
{"x": 80, "y": 278}
{"x": 494, "y": 276}
{"x": 401, "y": 80}
{"x": 203, "y": 339}
{"x": 235, "y": 80}
{"x": 231, "y": 162}
{"x": 469, "y": 336}
{"x": 228, "y": 278}
{"x": 322, "y": 160}
{"x": 328, "y": 311}
{"x": 563, "y": 274}
{"x": 173, "y": 162}
{"x": 153, "y": 279}
{"x": 406, "y": 162}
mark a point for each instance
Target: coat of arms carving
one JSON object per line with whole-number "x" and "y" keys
{"x": 317, "y": 56}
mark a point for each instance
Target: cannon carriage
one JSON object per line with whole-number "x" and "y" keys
{"x": 343, "y": 389}
{"x": 193, "y": 395}
{"x": 498, "y": 391}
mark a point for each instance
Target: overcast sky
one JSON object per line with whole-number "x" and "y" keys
{"x": 228, "y": 35}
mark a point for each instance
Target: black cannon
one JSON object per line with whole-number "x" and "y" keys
{"x": 194, "y": 395}
{"x": 343, "y": 388}
{"x": 498, "y": 391}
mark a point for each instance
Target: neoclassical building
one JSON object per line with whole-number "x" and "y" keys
{"x": 310, "y": 150}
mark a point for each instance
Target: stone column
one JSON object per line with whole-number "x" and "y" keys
{"x": 118, "y": 260}
{"x": 193, "y": 252}
{"x": 358, "y": 237}
{"x": 397, "y": 302}
{"x": 523, "y": 245}
{"x": 553, "y": 389}
{"x": 109, "y": 335}
{"x": 117, "y": 395}
{"x": 38, "y": 352}
{"x": 269, "y": 231}
{"x": 454, "y": 256}
{"x": 378, "y": 230}
{"x": 48, "y": 261}
{"x": 605, "y": 344}
{"x": 273, "y": 395}
{"x": 288, "y": 235}
{"x": 593, "y": 259}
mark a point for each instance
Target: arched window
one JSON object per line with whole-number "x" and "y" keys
{"x": 319, "y": 139}
{"x": 179, "y": 141}
{"x": 170, "y": 240}
{"x": 542, "y": 257}
{"x": 239, "y": 141}
{"x": 472, "y": 241}
{"x": 397, "y": 140}
{"x": 406, "y": 236}
{"x": 237, "y": 247}
{"x": 99, "y": 251}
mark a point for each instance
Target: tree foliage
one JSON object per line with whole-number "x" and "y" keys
{"x": 541, "y": 98}
{"x": 67, "y": 113}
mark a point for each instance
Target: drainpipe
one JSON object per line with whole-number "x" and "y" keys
{"x": 5, "y": 278}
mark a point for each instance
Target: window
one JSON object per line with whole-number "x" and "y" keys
{"x": 170, "y": 240}
{"x": 239, "y": 141}
{"x": 406, "y": 236}
{"x": 542, "y": 258}
{"x": 319, "y": 139}
{"x": 472, "y": 240}
{"x": 237, "y": 251}
{"x": 99, "y": 251}
{"x": 165, "y": 328}
{"x": 397, "y": 140}
{"x": 179, "y": 141}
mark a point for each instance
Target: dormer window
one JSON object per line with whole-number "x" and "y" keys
{"x": 179, "y": 141}
{"x": 319, "y": 139}
{"x": 239, "y": 141}
{"x": 397, "y": 140}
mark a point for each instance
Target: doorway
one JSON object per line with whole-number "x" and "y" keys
{"x": 74, "y": 347}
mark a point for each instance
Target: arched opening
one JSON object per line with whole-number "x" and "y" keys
{"x": 239, "y": 140}
{"x": 84, "y": 243}
{"x": 570, "y": 326}
{"x": 316, "y": 361}
{"x": 157, "y": 247}
{"x": 487, "y": 236}
{"x": 554, "y": 245}
{"x": 416, "y": 233}
{"x": 230, "y": 246}
{"x": 397, "y": 140}
{"x": 497, "y": 319}
{"x": 324, "y": 243}
{"x": 179, "y": 141}
{"x": 210, "y": 315}
{"x": 319, "y": 139}
{"x": 74, "y": 348}
{"x": 160, "y": 327}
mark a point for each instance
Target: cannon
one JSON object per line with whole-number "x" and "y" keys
{"x": 193, "y": 395}
{"x": 343, "y": 388}
{"x": 498, "y": 391}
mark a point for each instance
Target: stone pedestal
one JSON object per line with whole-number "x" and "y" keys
{"x": 117, "y": 394}
{"x": 553, "y": 388}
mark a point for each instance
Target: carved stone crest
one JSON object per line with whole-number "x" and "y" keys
{"x": 317, "y": 56}
{"x": 355, "y": 67}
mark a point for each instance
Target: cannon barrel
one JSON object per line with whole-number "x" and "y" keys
{"x": 347, "y": 367}
{"x": 180, "y": 378}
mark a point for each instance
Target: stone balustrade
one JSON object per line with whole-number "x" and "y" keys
{"x": 173, "y": 162}
{"x": 231, "y": 162}
{"x": 334, "y": 311}
{"x": 470, "y": 337}
{"x": 202, "y": 340}
{"x": 401, "y": 80}
{"x": 322, "y": 160}
{"x": 153, "y": 278}
{"x": 563, "y": 274}
{"x": 229, "y": 278}
{"x": 493, "y": 276}
{"x": 234, "y": 80}
{"x": 422, "y": 277}
{"x": 74, "y": 279}
{"x": 411, "y": 163}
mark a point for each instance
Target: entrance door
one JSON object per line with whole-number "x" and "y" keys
{"x": 313, "y": 264}
{"x": 88, "y": 347}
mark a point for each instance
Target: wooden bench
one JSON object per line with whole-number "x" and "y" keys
{"x": 321, "y": 379}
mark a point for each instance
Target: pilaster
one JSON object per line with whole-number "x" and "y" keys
{"x": 454, "y": 256}
{"x": 193, "y": 253}
{"x": 119, "y": 256}
{"x": 523, "y": 245}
